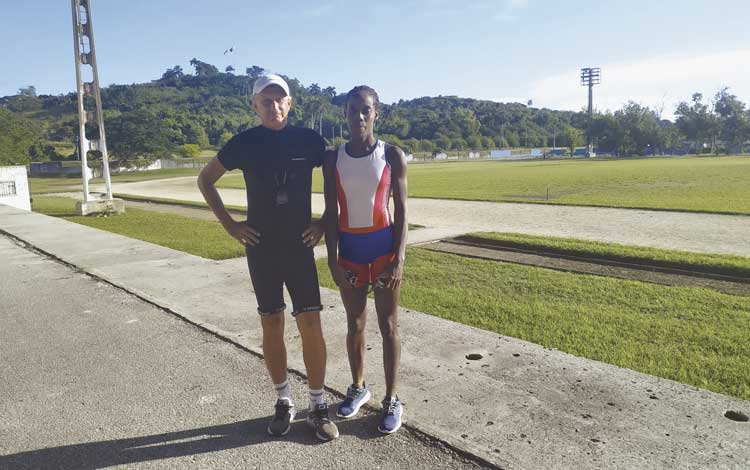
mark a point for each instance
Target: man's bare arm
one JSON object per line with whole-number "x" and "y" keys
{"x": 207, "y": 179}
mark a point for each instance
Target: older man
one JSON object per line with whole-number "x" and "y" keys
{"x": 277, "y": 161}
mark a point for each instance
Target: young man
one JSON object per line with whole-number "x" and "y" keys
{"x": 277, "y": 161}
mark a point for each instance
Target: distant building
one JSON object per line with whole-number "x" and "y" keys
{"x": 14, "y": 187}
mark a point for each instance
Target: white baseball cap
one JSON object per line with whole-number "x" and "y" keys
{"x": 266, "y": 80}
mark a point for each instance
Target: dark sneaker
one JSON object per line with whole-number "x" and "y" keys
{"x": 282, "y": 419}
{"x": 318, "y": 419}
{"x": 355, "y": 398}
{"x": 390, "y": 418}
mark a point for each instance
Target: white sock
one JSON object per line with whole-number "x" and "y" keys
{"x": 283, "y": 392}
{"x": 317, "y": 397}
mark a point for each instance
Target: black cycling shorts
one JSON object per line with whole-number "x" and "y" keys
{"x": 271, "y": 268}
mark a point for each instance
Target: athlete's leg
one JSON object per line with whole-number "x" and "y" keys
{"x": 386, "y": 307}
{"x": 269, "y": 292}
{"x": 301, "y": 277}
{"x": 313, "y": 347}
{"x": 274, "y": 350}
{"x": 355, "y": 304}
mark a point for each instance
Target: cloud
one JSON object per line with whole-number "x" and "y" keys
{"x": 654, "y": 82}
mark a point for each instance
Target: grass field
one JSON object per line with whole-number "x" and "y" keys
{"x": 694, "y": 336}
{"x": 707, "y": 184}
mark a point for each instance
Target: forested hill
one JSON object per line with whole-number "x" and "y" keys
{"x": 205, "y": 108}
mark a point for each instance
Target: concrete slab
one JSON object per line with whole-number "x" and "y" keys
{"x": 519, "y": 406}
{"x": 100, "y": 206}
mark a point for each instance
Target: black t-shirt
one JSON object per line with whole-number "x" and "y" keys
{"x": 277, "y": 166}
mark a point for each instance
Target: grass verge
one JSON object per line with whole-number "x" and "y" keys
{"x": 691, "y": 335}
{"x": 202, "y": 238}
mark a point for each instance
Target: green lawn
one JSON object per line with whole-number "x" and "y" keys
{"x": 727, "y": 265}
{"x": 709, "y": 184}
{"x": 691, "y": 335}
{"x": 202, "y": 238}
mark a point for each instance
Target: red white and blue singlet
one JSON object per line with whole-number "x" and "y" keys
{"x": 363, "y": 188}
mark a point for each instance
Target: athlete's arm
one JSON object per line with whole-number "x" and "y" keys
{"x": 207, "y": 179}
{"x": 397, "y": 160}
{"x": 331, "y": 219}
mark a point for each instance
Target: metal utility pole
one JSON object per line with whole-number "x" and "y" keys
{"x": 589, "y": 78}
{"x": 85, "y": 55}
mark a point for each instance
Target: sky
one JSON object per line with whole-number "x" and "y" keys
{"x": 656, "y": 53}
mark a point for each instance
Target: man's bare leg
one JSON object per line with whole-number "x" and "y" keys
{"x": 274, "y": 350}
{"x": 313, "y": 348}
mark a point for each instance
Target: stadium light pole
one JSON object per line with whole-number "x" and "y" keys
{"x": 85, "y": 55}
{"x": 590, "y": 76}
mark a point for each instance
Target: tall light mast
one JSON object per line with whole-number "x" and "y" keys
{"x": 85, "y": 59}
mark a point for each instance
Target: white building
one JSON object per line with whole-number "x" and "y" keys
{"x": 14, "y": 187}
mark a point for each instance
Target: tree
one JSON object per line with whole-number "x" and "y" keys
{"x": 224, "y": 138}
{"x": 475, "y": 142}
{"x": 734, "y": 125}
{"x": 394, "y": 124}
{"x": 426, "y": 146}
{"x": 189, "y": 151}
{"x": 203, "y": 69}
{"x": 442, "y": 143}
{"x": 17, "y": 135}
{"x": 229, "y": 69}
{"x": 43, "y": 152}
{"x": 194, "y": 133}
{"x": 697, "y": 121}
{"x": 173, "y": 76}
{"x": 27, "y": 91}
{"x": 639, "y": 128}
{"x": 411, "y": 145}
{"x": 573, "y": 138}
{"x": 141, "y": 133}
{"x": 458, "y": 144}
{"x": 254, "y": 72}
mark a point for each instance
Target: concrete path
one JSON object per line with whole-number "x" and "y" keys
{"x": 93, "y": 377}
{"x": 708, "y": 233}
{"x": 520, "y": 406}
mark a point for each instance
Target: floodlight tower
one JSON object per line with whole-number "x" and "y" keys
{"x": 85, "y": 55}
{"x": 589, "y": 77}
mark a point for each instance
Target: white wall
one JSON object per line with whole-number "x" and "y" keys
{"x": 14, "y": 187}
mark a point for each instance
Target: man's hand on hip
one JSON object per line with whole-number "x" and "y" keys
{"x": 243, "y": 233}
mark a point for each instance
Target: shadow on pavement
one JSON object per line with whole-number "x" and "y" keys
{"x": 95, "y": 455}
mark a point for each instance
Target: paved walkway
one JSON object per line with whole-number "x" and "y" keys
{"x": 708, "y": 233}
{"x": 520, "y": 406}
{"x": 93, "y": 377}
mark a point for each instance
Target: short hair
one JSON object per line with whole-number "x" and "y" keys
{"x": 364, "y": 88}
